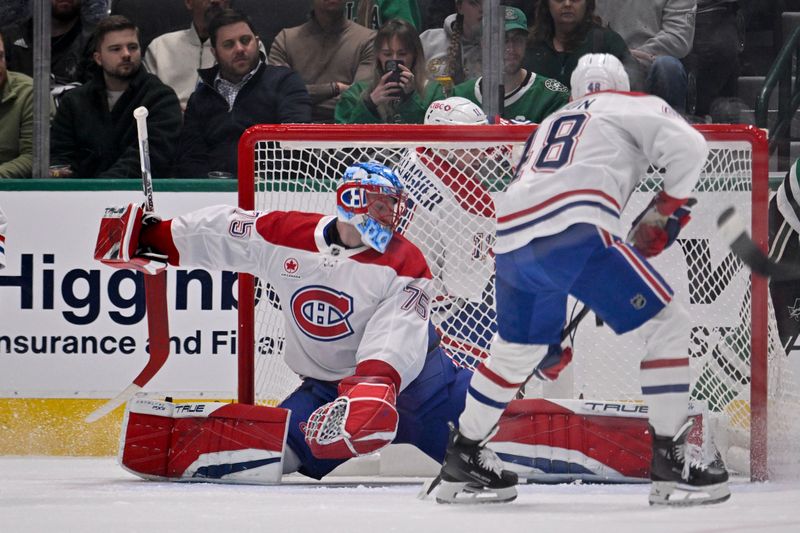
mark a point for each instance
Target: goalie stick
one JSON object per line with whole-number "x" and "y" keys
{"x": 429, "y": 486}
{"x": 734, "y": 232}
{"x": 155, "y": 292}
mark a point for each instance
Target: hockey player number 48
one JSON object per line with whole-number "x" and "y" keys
{"x": 559, "y": 145}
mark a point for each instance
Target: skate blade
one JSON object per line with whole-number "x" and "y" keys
{"x": 681, "y": 495}
{"x": 471, "y": 494}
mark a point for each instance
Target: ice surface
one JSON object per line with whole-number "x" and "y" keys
{"x": 87, "y": 495}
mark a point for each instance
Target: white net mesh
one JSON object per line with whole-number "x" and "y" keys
{"x": 451, "y": 183}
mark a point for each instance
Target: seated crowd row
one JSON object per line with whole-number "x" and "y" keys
{"x": 328, "y": 69}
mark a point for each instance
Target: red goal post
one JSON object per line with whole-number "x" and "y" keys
{"x": 296, "y": 166}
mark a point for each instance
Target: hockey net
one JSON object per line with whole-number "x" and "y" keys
{"x": 452, "y": 173}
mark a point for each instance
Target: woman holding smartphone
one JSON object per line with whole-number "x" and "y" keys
{"x": 400, "y": 90}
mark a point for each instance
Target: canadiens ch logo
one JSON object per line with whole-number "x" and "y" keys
{"x": 321, "y": 313}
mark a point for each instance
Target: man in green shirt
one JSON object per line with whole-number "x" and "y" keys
{"x": 529, "y": 96}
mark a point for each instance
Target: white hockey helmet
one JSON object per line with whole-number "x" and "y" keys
{"x": 455, "y": 110}
{"x": 598, "y": 72}
{"x": 371, "y": 198}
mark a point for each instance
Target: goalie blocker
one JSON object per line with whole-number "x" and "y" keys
{"x": 207, "y": 441}
{"x": 118, "y": 240}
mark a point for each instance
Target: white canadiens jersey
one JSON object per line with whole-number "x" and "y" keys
{"x": 451, "y": 219}
{"x": 341, "y": 306}
{"x": 585, "y": 160}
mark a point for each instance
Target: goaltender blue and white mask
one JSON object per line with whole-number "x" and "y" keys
{"x": 371, "y": 198}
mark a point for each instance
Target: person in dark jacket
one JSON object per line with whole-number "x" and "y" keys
{"x": 94, "y": 131}
{"x": 72, "y": 23}
{"x": 239, "y": 92}
{"x": 565, "y": 31}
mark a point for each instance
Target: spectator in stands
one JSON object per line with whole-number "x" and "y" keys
{"x": 71, "y": 26}
{"x": 16, "y": 121}
{"x": 94, "y": 131}
{"x": 565, "y": 30}
{"x": 240, "y": 91}
{"x": 401, "y": 94}
{"x": 175, "y": 57}
{"x": 529, "y": 96}
{"x": 659, "y": 33}
{"x": 329, "y": 52}
{"x": 375, "y": 13}
{"x": 434, "y": 12}
{"x": 13, "y": 11}
{"x": 713, "y": 63}
{"x": 453, "y": 52}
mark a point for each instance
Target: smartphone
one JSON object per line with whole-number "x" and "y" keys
{"x": 393, "y": 66}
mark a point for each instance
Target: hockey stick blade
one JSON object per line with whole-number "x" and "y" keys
{"x": 733, "y": 231}
{"x": 158, "y": 328}
{"x": 113, "y": 403}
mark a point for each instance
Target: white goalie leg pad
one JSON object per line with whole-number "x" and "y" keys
{"x": 495, "y": 383}
{"x": 205, "y": 441}
{"x": 664, "y": 371}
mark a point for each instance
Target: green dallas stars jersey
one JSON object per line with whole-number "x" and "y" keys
{"x": 374, "y": 13}
{"x": 532, "y": 101}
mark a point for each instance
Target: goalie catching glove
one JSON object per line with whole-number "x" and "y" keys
{"x": 118, "y": 240}
{"x": 361, "y": 420}
{"x": 657, "y": 227}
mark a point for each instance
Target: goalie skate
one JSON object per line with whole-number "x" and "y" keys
{"x": 472, "y": 473}
{"x": 680, "y": 478}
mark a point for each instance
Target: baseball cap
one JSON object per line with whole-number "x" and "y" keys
{"x": 515, "y": 19}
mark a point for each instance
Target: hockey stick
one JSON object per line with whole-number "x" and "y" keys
{"x": 155, "y": 289}
{"x": 429, "y": 486}
{"x": 734, "y": 232}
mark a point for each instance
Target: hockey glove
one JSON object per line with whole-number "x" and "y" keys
{"x": 118, "y": 240}
{"x": 556, "y": 360}
{"x": 657, "y": 227}
{"x": 361, "y": 420}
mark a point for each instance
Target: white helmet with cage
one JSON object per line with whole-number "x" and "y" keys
{"x": 455, "y": 110}
{"x": 598, "y": 72}
{"x": 371, "y": 198}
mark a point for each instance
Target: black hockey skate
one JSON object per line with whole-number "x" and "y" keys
{"x": 679, "y": 479}
{"x": 472, "y": 473}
